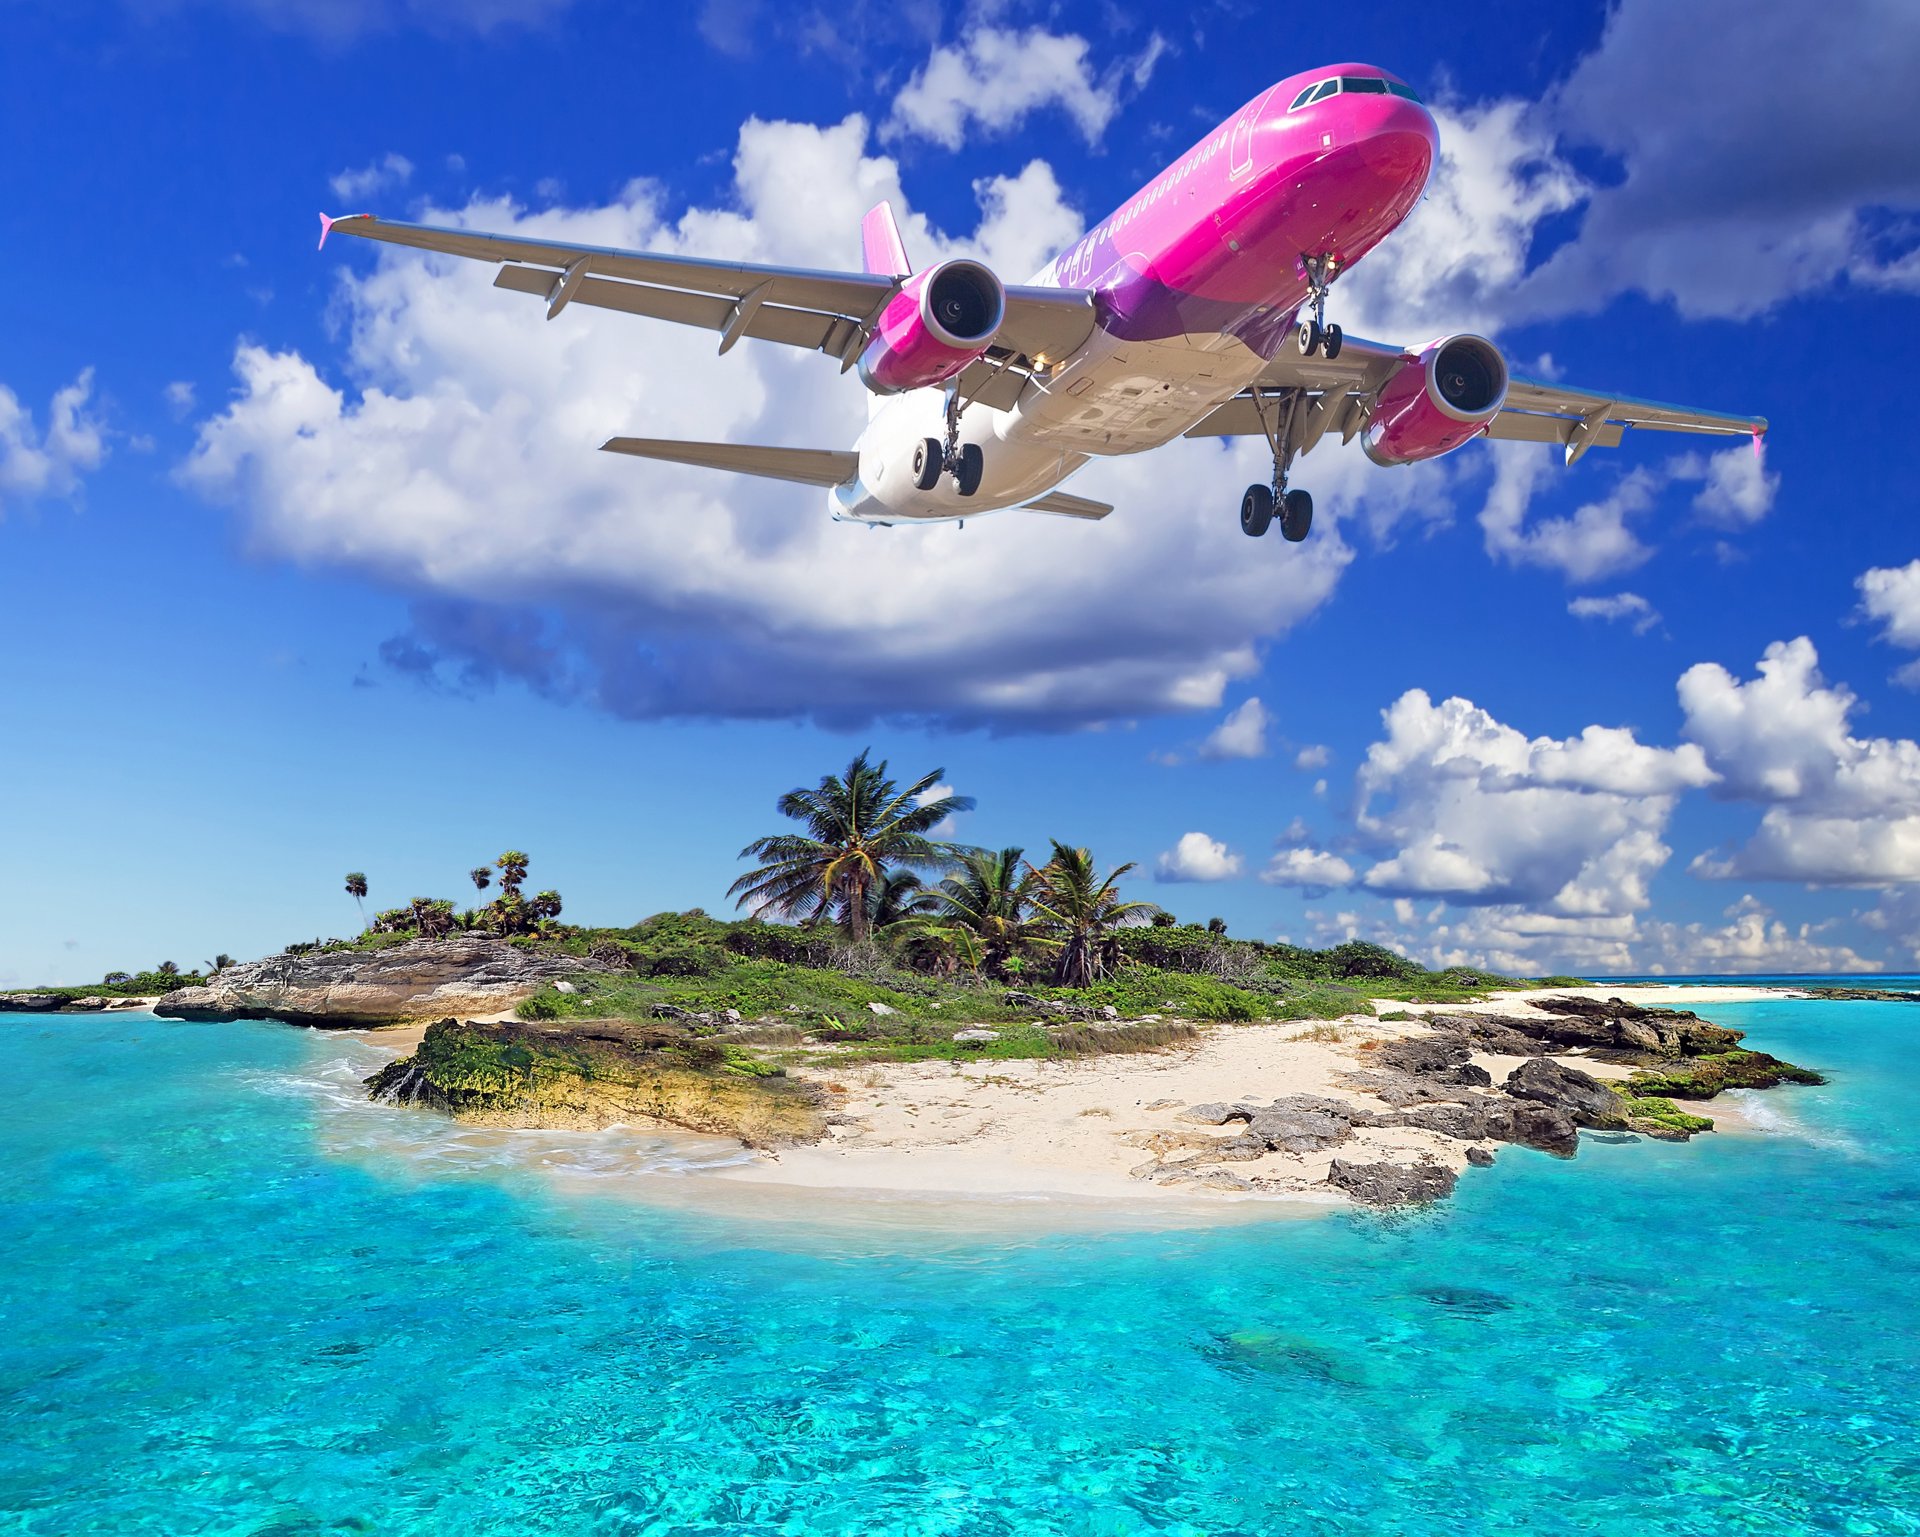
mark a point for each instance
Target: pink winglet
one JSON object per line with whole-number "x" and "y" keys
{"x": 326, "y": 225}
{"x": 1758, "y": 432}
{"x": 882, "y": 251}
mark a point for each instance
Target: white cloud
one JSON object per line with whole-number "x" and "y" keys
{"x": 1243, "y": 734}
{"x": 995, "y": 77}
{"x": 1891, "y": 594}
{"x": 461, "y": 465}
{"x": 50, "y": 463}
{"x": 1310, "y": 869}
{"x": 1678, "y": 96}
{"x": 1628, "y": 606}
{"x": 1841, "y": 810}
{"x": 1196, "y": 857}
{"x": 389, "y": 171}
{"x": 1738, "y": 492}
{"x": 1310, "y": 758}
{"x": 1753, "y": 941}
{"x": 1478, "y": 813}
{"x": 180, "y": 397}
{"x": 1595, "y": 541}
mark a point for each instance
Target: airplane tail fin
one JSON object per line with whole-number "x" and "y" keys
{"x": 881, "y": 248}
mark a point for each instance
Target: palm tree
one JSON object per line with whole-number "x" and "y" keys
{"x": 167, "y": 969}
{"x": 858, "y": 826}
{"x": 897, "y": 899}
{"x": 986, "y": 908}
{"x": 1079, "y": 912}
{"x": 544, "y": 905}
{"x": 513, "y": 870}
{"x": 218, "y": 964}
{"x": 357, "y": 889}
{"x": 481, "y": 876}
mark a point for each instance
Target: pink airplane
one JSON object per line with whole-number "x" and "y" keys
{"x": 1197, "y": 308}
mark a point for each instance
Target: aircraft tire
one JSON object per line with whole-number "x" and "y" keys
{"x": 1296, "y": 517}
{"x": 1335, "y": 336}
{"x": 973, "y": 465}
{"x": 1256, "y": 511}
{"x": 1311, "y": 338}
{"x": 926, "y": 464}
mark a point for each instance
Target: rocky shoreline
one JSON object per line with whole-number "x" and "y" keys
{"x": 1391, "y": 1120}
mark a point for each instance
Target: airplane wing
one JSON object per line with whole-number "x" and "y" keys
{"x": 1335, "y": 394}
{"x": 1064, "y": 505}
{"x": 806, "y": 466}
{"x": 830, "y": 312}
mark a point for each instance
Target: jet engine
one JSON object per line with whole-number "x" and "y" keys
{"x": 1445, "y": 395}
{"x": 940, "y": 321}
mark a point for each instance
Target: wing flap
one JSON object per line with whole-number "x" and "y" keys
{"x": 1529, "y": 427}
{"x": 1063, "y": 505}
{"x": 804, "y": 466}
{"x": 1538, "y": 395}
{"x": 769, "y": 322}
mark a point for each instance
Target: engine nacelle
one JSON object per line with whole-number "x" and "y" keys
{"x": 940, "y": 321}
{"x": 1430, "y": 406}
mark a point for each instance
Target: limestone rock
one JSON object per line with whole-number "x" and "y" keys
{"x": 1480, "y": 1157}
{"x": 1392, "y": 1184}
{"x": 976, "y": 1036}
{"x": 877, "y": 1007}
{"x": 421, "y": 979}
{"x": 1584, "y": 1097}
{"x": 1214, "y": 1114}
{"x": 30, "y": 1003}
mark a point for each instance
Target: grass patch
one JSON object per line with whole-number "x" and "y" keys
{"x": 1705, "y": 1076}
{"x": 1663, "y": 1114}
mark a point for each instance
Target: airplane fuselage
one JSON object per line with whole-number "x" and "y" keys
{"x": 1197, "y": 278}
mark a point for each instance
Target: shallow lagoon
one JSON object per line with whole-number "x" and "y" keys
{"x": 237, "y": 1301}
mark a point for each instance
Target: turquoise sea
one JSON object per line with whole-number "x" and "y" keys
{"x": 235, "y": 1300}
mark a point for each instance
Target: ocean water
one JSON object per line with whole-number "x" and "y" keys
{"x": 233, "y": 1299}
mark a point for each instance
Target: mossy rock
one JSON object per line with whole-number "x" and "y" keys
{"x": 1655, "y": 1117}
{"x": 1705, "y": 1076}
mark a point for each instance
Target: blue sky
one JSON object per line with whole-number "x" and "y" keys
{"x": 306, "y": 563}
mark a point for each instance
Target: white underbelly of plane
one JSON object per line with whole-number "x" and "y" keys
{"x": 1115, "y": 397}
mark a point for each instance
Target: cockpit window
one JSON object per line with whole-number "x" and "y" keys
{"x": 1406, "y": 91}
{"x": 1368, "y": 85}
{"x": 1325, "y": 89}
{"x": 1302, "y": 99}
{"x": 1364, "y": 85}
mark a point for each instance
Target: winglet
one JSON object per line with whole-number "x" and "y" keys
{"x": 327, "y": 224}
{"x": 882, "y": 251}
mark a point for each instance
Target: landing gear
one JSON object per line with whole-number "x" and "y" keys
{"x": 934, "y": 457}
{"x": 1315, "y": 334}
{"x": 1296, "y": 516}
{"x": 927, "y": 461}
{"x": 1256, "y": 511}
{"x": 1260, "y": 504}
{"x": 967, "y": 473}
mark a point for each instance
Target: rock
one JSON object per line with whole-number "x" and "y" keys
{"x": 1480, "y": 1157}
{"x": 1109, "y": 1012}
{"x": 731, "y": 1016}
{"x": 1486, "y": 1118}
{"x": 565, "y": 987}
{"x": 1584, "y": 1097}
{"x": 1055, "y": 1008}
{"x": 1392, "y": 1184}
{"x": 88, "y": 1005}
{"x": 30, "y": 1003}
{"x": 876, "y": 1007}
{"x": 1303, "y": 1123}
{"x": 1206, "y": 1179}
{"x": 1216, "y": 1114}
{"x": 421, "y": 979}
{"x": 976, "y": 1036}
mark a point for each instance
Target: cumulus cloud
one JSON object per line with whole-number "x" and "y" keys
{"x": 458, "y": 461}
{"x": 1310, "y": 758}
{"x": 994, "y": 78}
{"x": 389, "y": 171}
{"x": 1841, "y": 810}
{"x": 1679, "y": 95}
{"x": 1891, "y": 595}
{"x": 1628, "y": 607}
{"x": 1243, "y": 734}
{"x": 1311, "y": 869}
{"x": 1753, "y": 940}
{"x": 1595, "y": 540}
{"x": 1196, "y": 857}
{"x": 36, "y": 463}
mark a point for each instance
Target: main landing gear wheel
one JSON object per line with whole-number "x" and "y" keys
{"x": 1256, "y": 511}
{"x": 926, "y": 464}
{"x": 1296, "y": 515}
{"x": 1330, "y": 344}
{"x": 1311, "y": 338}
{"x": 972, "y": 465}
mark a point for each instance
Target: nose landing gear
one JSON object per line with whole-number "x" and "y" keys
{"x": 1315, "y": 334}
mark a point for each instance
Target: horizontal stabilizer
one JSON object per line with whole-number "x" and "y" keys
{"x": 807, "y": 466}
{"x": 1062, "y": 505}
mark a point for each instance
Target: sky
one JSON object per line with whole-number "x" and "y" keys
{"x": 308, "y": 564}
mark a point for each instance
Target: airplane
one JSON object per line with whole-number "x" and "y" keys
{"x": 1198, "y": 308}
